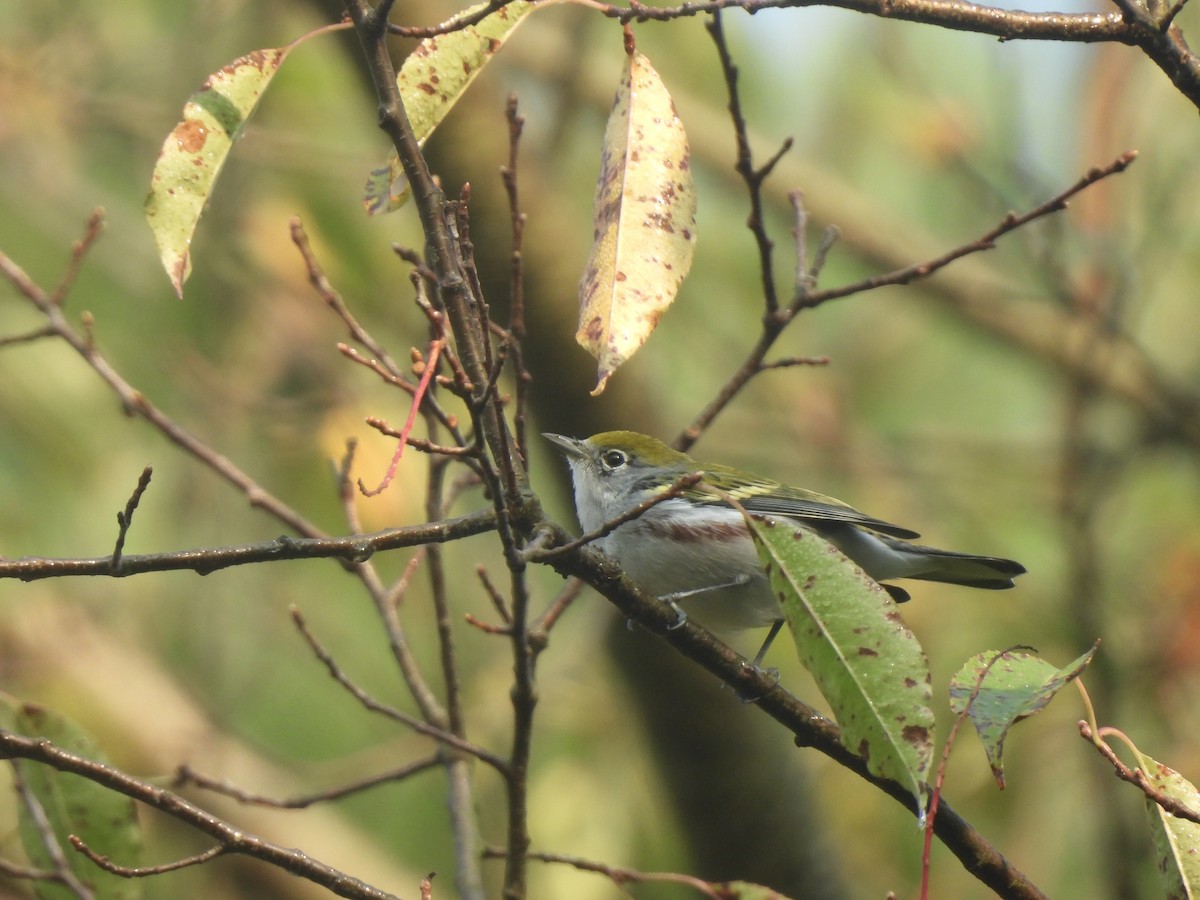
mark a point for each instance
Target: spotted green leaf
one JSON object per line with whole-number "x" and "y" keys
{"x": 1176, "y": 840}
{"x": 644, "y": 217}
{"x": 1017, "y": 685}
{"x": 865, "y": 660}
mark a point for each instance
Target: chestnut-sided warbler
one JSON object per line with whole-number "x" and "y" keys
{"x": 696, "y": 547}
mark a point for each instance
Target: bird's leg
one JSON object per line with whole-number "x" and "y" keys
{"x": 766, "y": 644}
{"x": 675, "y": 596}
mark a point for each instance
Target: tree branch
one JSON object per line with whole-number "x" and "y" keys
{"x": 808, "y": 726}
{"x": 233, "y": 840}
{"x": 355, "y": 548}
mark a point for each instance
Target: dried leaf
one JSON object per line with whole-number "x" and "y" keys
{"x": 194, "y": 152}
{"x": 645, "y": 221}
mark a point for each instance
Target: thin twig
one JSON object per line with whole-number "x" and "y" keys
{"x": 456, "y": 23}
{"x": 79, "y": 250}
{"x": 498, "y": 601}
{"x": 752, "y": 365}
{"x": 985, "y": 241}
{"x": 370, "y": 703}
{"x": 744, "y": 166}
{"x": 545, "y": 622}
{"x": 185, "y": 776}
{"x": 125, "y": 518}
{"x": 28, "y": 337}
{"x": 62, "y": 871}
{"x": 516, "y": 316}
{"x": 134, "y": 402}
{"x": 1137, "y": 777}
{"x": 145, "y": 871}
{"x": 939, "y": 779}
{"x": 538, "y": 553}
{"x": 28, "y": 873}
{"x": 622, "y": 876}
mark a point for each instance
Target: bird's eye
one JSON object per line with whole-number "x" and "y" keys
{"x": 614, "y": 459}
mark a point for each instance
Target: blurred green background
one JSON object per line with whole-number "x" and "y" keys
{"x": 942, "y": 409}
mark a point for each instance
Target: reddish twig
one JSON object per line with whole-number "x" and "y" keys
{"x": 435, "y": 349}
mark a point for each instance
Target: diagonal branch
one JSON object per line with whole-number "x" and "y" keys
{"x": 808, "y": 726}
{"x": 232, "y": 839}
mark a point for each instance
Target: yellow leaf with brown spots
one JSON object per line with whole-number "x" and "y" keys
{"x": 431, "y": 80}
{"x": 194, "y": 152}
{"x": 645, "y": 221}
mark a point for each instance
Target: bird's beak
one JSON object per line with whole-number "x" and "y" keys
{"x": 569, "y": 446}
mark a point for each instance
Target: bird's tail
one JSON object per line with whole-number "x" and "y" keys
{"x": 967, "y": 569}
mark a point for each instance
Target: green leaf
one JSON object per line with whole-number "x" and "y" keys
{"x": 431, "y": 80}
{"x": 105, "y": 820}
{"x": 865, "y": 660}
{"x": 644, "y": 221}
{"x": 194, "y": 152}
{"x": 1176, "y": 840}
{"x": 1017, "y": 685}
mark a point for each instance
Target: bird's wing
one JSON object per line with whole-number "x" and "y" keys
{"x": 764, "y": 496}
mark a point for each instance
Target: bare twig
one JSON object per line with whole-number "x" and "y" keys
{"x": 28, "y": 337}
{"x": 753, "y": 364}
{"x": 145, "y": 871}
{"x": 985, "y": 241}
{"x": 370, "y": 703}
{"x": 538, "y": 553}
{"x": 516, "y": 316}
{"x": 621, "y": 876}
{"x": 744, "y": 166}
{"x": 185, "y": 776}
{"x": 92, "y": 231}
{"x": 351, "y": 550}
{"x": 573, "y": 588}
{"x": 27, "y": 873}
{"x": 134, "y": 402}
{"x": 1136, "y": 777}
{"x": 939, "y": 779}
{"x": 498, "y": 601}
{"x": 125, "y": 518}
{"x": 62, "y": 872}
{"x": 456, "y": 23}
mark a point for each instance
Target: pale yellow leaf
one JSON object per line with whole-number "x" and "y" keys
{"x": 194, "y": 152}
{"x": 645, "y": 221}
{"x": 431, "y": 80}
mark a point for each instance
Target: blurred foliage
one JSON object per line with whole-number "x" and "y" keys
{"x": 906, "y": 137}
